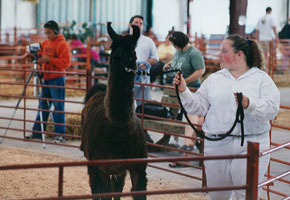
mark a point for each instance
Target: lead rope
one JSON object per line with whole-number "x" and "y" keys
{"x": 239, "y": 119}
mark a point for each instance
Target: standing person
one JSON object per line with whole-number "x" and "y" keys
{"x": 54, "y": 56}
{"x": 266, "y": 31}
{"x": 146, "y": 53}
{"x": 190, "y": 61}
{"x": 241, "y": 61}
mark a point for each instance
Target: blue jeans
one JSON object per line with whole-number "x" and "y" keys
{"x": 52, "y": 93}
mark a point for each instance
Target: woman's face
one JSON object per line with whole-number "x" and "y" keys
{"x": 228, "y": 57}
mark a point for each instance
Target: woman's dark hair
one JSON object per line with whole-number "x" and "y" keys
{"x": 179, "y": 39}
{"x": 251, "y": 49}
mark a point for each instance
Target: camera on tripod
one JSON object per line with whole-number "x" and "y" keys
{"x": 34, "y": 49}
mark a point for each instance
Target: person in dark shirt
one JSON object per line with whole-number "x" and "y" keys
{"x": 285, "y": 32}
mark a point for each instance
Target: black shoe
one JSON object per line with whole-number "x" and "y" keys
{"x": 33, "y": 137}
{"x": 187, "y": 148}
{"x": 198, "y": 144}
{"x": 177, "y": 165}
{"x": 179, "y": 116}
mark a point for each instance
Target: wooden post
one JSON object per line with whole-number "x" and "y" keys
{"x": 252, "y": 171}
{"x": 60, "y": 181}
{"x": 237, "y": 8}
{"x": 15, "y": 35}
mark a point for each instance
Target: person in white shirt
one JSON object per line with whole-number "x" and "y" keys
{"x": 146, "y": 53}
{"x": 241, "y": 61}
{"x": 266, "y": 31}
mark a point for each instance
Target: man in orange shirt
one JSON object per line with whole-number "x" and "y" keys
{"x": 54, "y": 56}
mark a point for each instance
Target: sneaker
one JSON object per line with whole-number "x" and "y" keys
{"x": 59, "y": 139}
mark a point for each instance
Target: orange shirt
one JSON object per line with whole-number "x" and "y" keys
{"x": 60, "y": 55}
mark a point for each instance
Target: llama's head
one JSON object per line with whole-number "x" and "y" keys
{"x": 123, "y": 55}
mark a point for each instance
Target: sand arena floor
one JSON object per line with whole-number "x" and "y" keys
{"x": 39, "y": 183}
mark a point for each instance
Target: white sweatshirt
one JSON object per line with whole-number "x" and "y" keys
{"x": 215, "y": 99}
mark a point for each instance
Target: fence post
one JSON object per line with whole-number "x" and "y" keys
{"x": 252, "y": 171}
{"x": 88, "y": 68}
{"x": 15, "y": 35}
{"x": 60, "y": 181}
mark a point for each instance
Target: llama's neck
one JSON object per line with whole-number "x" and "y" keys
{"x": 119, "y": 99}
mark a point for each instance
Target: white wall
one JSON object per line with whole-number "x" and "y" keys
{"x": 212, "y": 16}
{"x": 209, "y": 17}
{"x": 17, "y": 13}
{"x": 168, "y": 13}
{"x": 257, "y": 8}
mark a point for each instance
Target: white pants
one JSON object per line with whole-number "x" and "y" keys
{"x": 232, "y": 172}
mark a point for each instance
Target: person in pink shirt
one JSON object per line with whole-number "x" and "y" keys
{"x": 79, "y": 48}
{"x": 75, "y": 43}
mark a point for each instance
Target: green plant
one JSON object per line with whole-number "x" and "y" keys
{"x": 84, "y": 33}
{"x": 87, "y": 32}
{"x": 68, "y": 30}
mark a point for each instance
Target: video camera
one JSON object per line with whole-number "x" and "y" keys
{"x": 34, "y": 49}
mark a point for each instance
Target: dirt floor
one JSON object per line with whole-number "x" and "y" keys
{"x": 37, "y": 183}
{"x": 283, "y": 118}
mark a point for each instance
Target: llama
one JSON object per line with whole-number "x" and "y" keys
{"x": 110, "y": 128}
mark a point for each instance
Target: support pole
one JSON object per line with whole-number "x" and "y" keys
{"x": 237, "y": 8}
{"x": 252, "y": 171}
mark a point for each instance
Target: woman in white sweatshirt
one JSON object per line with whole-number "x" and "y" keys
{"x": 241, "y": 61}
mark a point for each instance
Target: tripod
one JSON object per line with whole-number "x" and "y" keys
{"x": 37, "y": 80}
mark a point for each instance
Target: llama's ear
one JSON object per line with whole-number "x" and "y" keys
{"x": 113, "y": 35}
{"x": 136, "y": 32}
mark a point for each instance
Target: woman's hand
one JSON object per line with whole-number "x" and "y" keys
{"x": 180, "y": 82}
{"x": 245, "y": 101}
